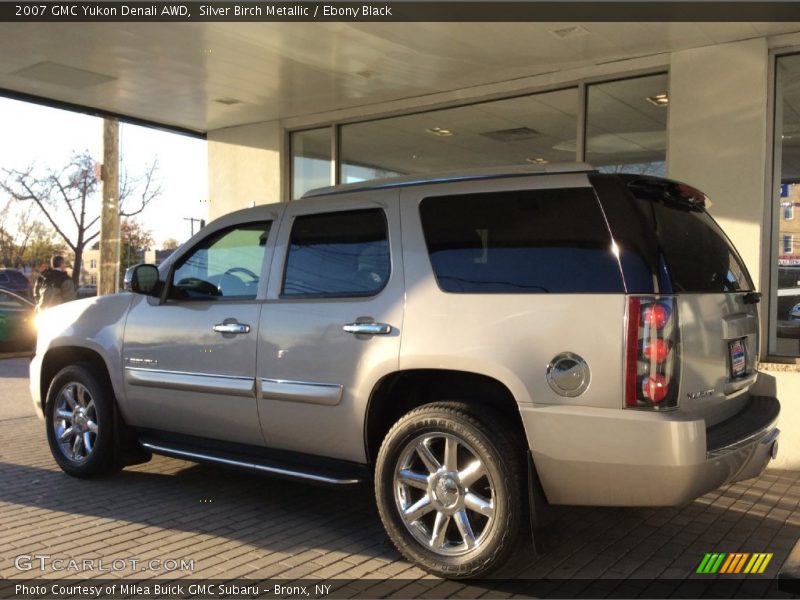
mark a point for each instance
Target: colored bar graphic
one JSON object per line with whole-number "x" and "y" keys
{"x": 711, "y": 562}
{"x": 727, "y": 564}
{"x": 740, "y": 563}
{"x": 704, "y": 563}
{"x": 734, "y": 563}
{"x": 717, "y": 563}
{"x": 762, "y": 560}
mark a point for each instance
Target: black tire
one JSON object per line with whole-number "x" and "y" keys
{"x": 85, "y": 390}
{"x": 479, "y": 434}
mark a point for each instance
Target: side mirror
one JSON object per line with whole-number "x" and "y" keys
{"x": 142, "y": 279}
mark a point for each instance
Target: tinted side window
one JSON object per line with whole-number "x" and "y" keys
{"x": 699, "y": 256}
{"x": 338, "y": 254}
{"x": 225, "y": 266}
{"x": 531, "y": 241}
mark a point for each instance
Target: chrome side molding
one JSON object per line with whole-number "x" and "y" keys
{"x": 191, "y": 382}
{"x": 327, "y": 394}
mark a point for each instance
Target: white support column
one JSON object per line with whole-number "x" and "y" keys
{"x": 717, "y": 135}
{"x": 244, "y": 167}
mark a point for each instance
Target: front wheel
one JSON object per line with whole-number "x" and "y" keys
{"x": 79, "y": 418}
{"x": 450, "y": 484}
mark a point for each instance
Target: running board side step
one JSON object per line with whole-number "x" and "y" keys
{"x": 257, "y": 464}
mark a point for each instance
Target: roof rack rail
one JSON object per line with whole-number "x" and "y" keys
{"x": 449, "y": 176}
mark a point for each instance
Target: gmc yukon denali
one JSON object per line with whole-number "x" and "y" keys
{"x": 468, "y": 342}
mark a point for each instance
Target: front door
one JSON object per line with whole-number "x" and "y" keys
{"x": 190, "y": 361}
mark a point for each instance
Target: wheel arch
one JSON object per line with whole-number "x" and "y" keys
{"x": 63, "y": 356}
{"x": 399, "y": 392}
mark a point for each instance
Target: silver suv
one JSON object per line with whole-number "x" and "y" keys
{"x": 478, "y": 345}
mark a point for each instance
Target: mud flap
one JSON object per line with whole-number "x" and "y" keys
{"x": 541, "y": 513}
{"x": 127, "y": 449}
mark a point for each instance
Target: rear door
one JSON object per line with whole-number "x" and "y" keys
{"x": 330, "y": 328}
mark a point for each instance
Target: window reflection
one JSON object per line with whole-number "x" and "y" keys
{"x": 311, "y": 160}
{"x": 534, "y": 129}
{"x": 785, "y": 304}
{"x": 626, "y": 125}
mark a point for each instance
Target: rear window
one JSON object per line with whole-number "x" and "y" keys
{"x": 699, "y": 256}
{"x": 529, "y": 241}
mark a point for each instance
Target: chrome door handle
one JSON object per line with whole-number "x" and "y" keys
{"x": 231, "y": 328}
{"x": 368, "y": 328}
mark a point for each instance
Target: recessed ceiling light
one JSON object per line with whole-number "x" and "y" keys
{"x": 440, "y": 131}
{"x": 537, "y": 160}
{"x": 63, "y": 75}
{"x": 227, "y": 101}
{"x": 658, "y": 99}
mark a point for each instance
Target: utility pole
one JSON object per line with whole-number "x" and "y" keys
{"x": 108, "y": 282}
{"x": 201, "y": 222}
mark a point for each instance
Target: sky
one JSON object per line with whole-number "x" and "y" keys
{"x": 48, "y": 137}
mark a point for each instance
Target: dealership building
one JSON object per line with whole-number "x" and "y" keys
{"x": 287, "y": 107}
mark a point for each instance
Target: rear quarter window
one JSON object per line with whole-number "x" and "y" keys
{"x": 529, "y": 241}
{"x": 667, "y": 240}
{"x": 699, "y": 256}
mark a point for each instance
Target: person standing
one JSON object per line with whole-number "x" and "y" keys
{"x": 36, "y": 274}
{"x": 54, "y": 286}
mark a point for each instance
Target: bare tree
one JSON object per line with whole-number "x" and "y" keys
{"x": 67, "y": 198}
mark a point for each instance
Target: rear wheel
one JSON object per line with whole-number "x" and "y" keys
{"x": 80, "y": 422}
{"x": 450, "y": 484}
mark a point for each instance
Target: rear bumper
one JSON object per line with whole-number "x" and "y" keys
{"x": 603, "y": 457}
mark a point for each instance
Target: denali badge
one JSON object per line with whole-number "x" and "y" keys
{"x": 141, "y": 362}
{"x": 703, "y": 394}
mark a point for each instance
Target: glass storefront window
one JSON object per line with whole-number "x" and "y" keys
{"x": 626, "y": 125}
{"x": 785, "y": 297}
{"x": 536, "y": 129}
{"x": 311, "y": 160}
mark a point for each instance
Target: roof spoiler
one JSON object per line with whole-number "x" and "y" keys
{"x": 666, "y": 190}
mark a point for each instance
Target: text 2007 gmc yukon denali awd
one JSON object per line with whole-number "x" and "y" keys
{"x": 454, "y": 338}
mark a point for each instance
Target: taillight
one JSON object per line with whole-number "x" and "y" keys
{"x": 652, "y": 364}
{"x": 656, "y": 315}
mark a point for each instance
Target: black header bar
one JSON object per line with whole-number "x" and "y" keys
{"x": 398, "y": 11}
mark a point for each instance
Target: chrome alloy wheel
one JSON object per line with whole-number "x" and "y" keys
{"x": 444, "y": 494}
{"x": 75, "y": 422}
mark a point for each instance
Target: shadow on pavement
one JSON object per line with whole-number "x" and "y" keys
{"x": 591, "y": 552}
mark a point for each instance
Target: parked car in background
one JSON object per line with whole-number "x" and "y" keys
{"x": 17, "y": 323}
{"x": 15, "y": 281}
{"x": 88, "y": 290}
